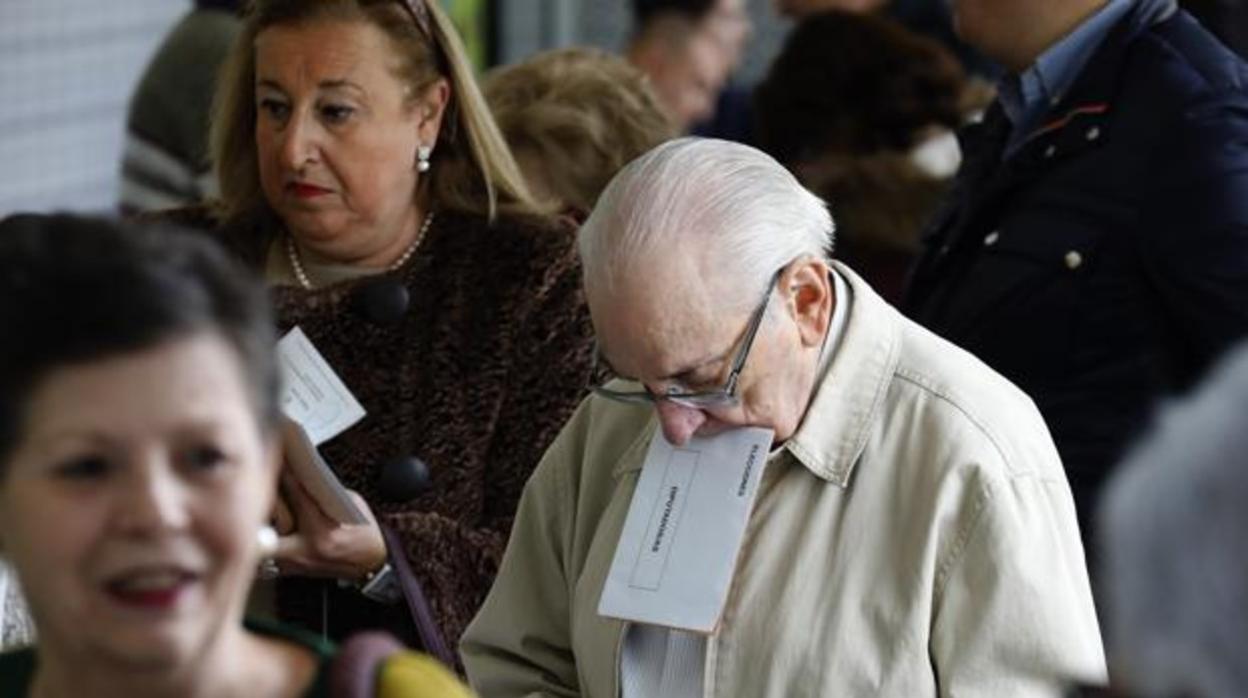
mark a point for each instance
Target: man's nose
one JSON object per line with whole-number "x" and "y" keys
{"x": 679, "y": 422}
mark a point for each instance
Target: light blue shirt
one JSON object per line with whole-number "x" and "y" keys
{"x": 1026, "y": 98}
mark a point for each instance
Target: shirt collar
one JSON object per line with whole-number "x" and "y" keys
{"x": 1027, "y": 97}
{"x": 832, "y": 339}
{"x": 856, "y": 372}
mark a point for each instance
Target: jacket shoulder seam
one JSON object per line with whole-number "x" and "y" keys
{"x": 931, "y": 389}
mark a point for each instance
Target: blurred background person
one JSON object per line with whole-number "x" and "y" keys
{"x": 573, "y": 118}
{"x": 139, "y": 460}
{"x": 363, "y": 175}
{"x": 165, "y": 161}
{"x": 930, "y": 18}
{"x": 687, "y": 67}
{"x": 688, "y": 49}
{"x": 863, "y": 111}
{"x": 1172, "y": 523}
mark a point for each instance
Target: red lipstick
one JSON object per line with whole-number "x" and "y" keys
{"x": 306, "y": 191}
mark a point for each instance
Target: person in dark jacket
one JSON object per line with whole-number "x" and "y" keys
{"x": 1227, "y": 19}
{"x": 1095, "y": 246}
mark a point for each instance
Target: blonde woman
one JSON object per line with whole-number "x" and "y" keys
{"x": 574, "y": 117}
{"x": 362, "y": 173}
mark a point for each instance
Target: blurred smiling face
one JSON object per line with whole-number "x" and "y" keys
{"x": 131, "y": 502}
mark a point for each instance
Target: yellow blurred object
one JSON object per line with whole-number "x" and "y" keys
{"x": 411, "y": 675}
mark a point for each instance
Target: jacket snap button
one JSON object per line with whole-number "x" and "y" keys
{"x": 1093, "y": 133}
{"x": 991, "y": 238}
{"x": 1073, "y": 260}
{"x": 1050, "y": 151}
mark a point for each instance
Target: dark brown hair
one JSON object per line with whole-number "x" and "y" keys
{"x": 854, "y": 83}
{"x": 75, "y": 290}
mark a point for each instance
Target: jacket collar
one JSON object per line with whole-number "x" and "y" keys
{"x": 1027, "y": 97}
{"x": 847, "y": 404}
{"x": 1089, "y": 101}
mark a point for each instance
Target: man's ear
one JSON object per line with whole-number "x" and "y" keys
{"x": 430, "y": 108}
{"x": 809, "y": 298}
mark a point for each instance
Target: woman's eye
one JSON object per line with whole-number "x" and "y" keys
{"x": 337, "y": 113}
{"x": 204, "y": 457}
{"x": 84, "y": 468}
{"x": 275, "y": 108}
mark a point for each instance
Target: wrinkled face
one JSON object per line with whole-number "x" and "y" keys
{"x": 131, "y": 504}
{"x": 337, "y": 135}
{"x": 671, "y": 333}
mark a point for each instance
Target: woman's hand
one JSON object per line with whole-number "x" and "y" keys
{"x": 317, "y": 546}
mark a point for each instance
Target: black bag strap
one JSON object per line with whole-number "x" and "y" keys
{"x": 355, "y": 667}
{"x": 427, "y": 631}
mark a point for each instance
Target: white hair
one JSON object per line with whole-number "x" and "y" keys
{"x": 1173, "y": 523}
{"x": 749, "y": 214}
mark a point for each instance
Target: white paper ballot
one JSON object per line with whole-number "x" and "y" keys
{"x": 312, "y": 394}
{"x": 675, "y": 560}
{"x": 318, "y": 407}
{"x": 316, "y": 476}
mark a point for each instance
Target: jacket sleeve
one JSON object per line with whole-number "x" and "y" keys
{"x": 548, "y": 372}
{"x": 520, "y": 643}
{"x": 1194, "y": 227}
{"x": 1013, "y": 612}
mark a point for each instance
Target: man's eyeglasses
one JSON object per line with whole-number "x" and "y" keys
{"x": 725, "y": 396}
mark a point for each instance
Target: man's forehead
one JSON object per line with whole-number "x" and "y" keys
{"x": 653, "y": 328}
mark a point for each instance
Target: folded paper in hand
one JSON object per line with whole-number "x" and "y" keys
{"x": 318, "y": 407}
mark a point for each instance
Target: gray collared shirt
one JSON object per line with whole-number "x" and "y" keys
{"x": 1027, "y": 97}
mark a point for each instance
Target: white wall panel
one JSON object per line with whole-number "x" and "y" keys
{"x": 67, "y": 69}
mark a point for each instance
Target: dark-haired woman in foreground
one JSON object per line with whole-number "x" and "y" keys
{"x": 138, "y": 468}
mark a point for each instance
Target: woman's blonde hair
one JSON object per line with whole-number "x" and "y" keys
{"x": 581, "y": 114}
{"x": 473, "y": 169}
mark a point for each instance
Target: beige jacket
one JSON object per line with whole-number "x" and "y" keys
{"x": 916, "y": 537}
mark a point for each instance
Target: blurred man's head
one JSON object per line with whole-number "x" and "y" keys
{"x": 1175, "y": 568}
{"x": 686, "y": 67}
{"x": 688, "y": 49}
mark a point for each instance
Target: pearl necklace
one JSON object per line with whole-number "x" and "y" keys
{"x": 302, "y": 275}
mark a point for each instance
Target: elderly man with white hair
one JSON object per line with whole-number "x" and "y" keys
{"x": 910, "y": 534}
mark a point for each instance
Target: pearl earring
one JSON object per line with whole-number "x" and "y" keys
{"x": 266, "y": 545}
{"x": 422, "y": 158}
{"x": 266, "y": 541}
